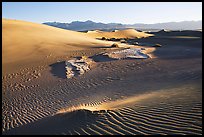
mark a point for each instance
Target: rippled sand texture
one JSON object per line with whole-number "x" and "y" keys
{"x": 155, "y": 115}
{"x": 162, "y": 112}
{"x": 161, "y": 95}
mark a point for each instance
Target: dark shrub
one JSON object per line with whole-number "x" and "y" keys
{"x": 115, "y": 45}
{"x": 103, "y": 38}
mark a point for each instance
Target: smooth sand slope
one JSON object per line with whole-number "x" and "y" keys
{"x": 150, "y": 96}
{"x": 26, "y": 42}
{"x": 128, "y": 33}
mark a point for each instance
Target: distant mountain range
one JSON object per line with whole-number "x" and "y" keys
{"x": 90, "y": 25}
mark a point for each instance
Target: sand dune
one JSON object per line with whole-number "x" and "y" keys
{"x": 154, "y": 113}
{"x": 154, "y": 96}
{"x": 128, "y": 33}
{"x": 187, "y": 33}
{"x": 26, "y": 42}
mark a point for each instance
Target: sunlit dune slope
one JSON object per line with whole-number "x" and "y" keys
{"x": 25, "y": 41}
{"x": 128, "y": 33}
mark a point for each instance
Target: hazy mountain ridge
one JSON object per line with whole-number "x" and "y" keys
{"x": 83, "y": 26}
{"x": 90, "y": 25}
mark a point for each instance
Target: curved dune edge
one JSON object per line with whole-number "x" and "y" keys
{"x": 112, "y": 105}
{"x": 163, "y": 112}
{"x": 156, "y": 113}
{"x": 35, "y": 41}
{"x": 25, "y": 43}
{"x": 177, "y": 113}
{"x": 128, "y": 33}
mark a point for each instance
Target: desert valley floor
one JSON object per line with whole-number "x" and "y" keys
{"x": 159, "y": 95}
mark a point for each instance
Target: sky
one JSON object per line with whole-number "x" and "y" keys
{"x": 105, "y": 12}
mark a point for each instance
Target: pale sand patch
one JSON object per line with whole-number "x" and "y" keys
{"x": 25, "y": 42}
{"x": 32, "y": 97}
{"x": 76, "y": 66}
{"x": 136, "y": 53}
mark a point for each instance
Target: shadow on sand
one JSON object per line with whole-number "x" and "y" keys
{"x": 57, "y": 124}
{"x": 175, "y": 48}
{"x": 58, "y": 69}
{"x": 102, "y": 58}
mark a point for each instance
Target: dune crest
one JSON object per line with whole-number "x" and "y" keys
{"x": 30, "y": 42}
{"x": 108, "y": 92}
{"x": 128, "y": 101}
{"x": 128, "y": 33}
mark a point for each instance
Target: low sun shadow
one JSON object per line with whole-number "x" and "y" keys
{"x": 103, "y": 47}
{"x": 58, "y": 69}
{"x": 56, "y": 124}
{"x": 102, "y": 58}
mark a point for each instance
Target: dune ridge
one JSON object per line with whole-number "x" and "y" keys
{"x": 160, "y": 95}
{"x": 26, "y": 42}
{"x": 145, "y": 115}
{"x": 127, "y": 33}
{"x": 153, "y": 113}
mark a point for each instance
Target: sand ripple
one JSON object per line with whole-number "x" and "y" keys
{"x": 161, "y": 113}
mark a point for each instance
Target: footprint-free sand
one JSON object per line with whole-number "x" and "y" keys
{"x": 158, "y": 95}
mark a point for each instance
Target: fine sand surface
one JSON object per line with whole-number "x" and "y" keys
{"x": 128, "y": 33}
{"x": 28, "y": 43}
{"x": 161, "y": 95}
